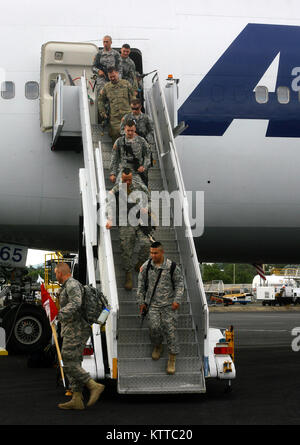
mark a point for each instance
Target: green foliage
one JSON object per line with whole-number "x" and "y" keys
{"x": 243, "y": 273}
{"x": 35, "y": 272}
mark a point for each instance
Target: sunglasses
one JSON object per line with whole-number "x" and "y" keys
{"x": 135, "y": 108}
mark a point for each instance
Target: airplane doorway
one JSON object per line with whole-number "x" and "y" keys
{"x": 136, "y": 56}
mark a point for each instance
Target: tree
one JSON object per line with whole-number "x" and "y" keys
{"x": 244, "y": 273}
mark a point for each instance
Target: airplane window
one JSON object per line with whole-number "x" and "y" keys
{"x": 261, "y": 94}
{"x": 283, "y": 95}
{"x": 31, "y": 90}
{"x": 8, "y": 90}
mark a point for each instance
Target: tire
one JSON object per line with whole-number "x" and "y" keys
{"x": 27, "y": 329}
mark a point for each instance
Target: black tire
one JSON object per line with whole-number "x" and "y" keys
{"x": 27, "y": 329}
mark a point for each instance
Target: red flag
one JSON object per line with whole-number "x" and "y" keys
{"x": 48, "y": 304}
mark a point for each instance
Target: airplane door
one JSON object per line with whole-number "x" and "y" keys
{"x": 58, "y": 122}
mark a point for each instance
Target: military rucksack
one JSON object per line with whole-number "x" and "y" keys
{"x": 93, "y": 303}
{"x": 172, "y": 269}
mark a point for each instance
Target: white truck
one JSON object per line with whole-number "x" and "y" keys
{"x": 278, "y": 295}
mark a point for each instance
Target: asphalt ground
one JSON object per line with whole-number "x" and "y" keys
{"x": 265, "y": 392}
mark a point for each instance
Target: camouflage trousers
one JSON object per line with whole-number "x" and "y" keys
{"x": 100, "y": 84}
{"x": 114, "y": 126}
{"x": 128, "y": 237}
{"x": 74, "y": 341}
{"x": 163, "y": 324}
{"x": 114, "y": 131}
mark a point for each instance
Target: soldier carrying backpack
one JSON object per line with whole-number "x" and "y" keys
{"x": 76, "y": 316}
{"x": 159, "y": 294}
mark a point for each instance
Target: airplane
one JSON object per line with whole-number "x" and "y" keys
{"x": 238, "y": 71}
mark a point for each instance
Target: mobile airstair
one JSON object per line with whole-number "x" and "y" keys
{"x": 123, "y": 351}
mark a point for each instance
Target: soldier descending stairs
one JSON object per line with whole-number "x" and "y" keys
{"x": 138, "y": 371}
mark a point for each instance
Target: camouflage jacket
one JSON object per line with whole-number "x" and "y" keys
{"x": 165, "y": 295}
{"x": 107, "y": 59}
{"x": 128, "y": 71}
{"x": 144, "y": 125}
{"x": 70, "y": 300}
{"x": 121, "y": 159}
{"x": 123, "y": 193}
{"x": 118, "y": 95}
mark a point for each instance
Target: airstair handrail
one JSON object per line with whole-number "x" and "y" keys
{"x": 107, "y": 267}
{"x": 88, "y": 186}
{"x": 173, "y": 180}
{"x": 99, "y": 236}
{"x": 89, "y": 161}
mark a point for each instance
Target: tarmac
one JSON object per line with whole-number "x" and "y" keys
{"x": 253, "y": 307}
{"x": 266, "y": 390}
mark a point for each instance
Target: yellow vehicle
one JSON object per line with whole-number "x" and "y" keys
{"x": 242, "y": 298}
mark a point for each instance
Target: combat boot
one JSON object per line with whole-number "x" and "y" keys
{"x": 96, "y": 389}
{"x": 75, "y": 403}
{"x": 171, "y": 364}
{"x": 128, "y": 281}
{"x": 157, "y": 351}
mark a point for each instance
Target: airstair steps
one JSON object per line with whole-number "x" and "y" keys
{"x": 144, "y": 350}
{"x": 147, "y": 365}
{"x": 141, "y": 335}
{"x": 137, "y": 372}
{"x": 190, "y": 382}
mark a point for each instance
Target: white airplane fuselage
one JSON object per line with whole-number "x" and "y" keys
{"x": 244, "y": 155}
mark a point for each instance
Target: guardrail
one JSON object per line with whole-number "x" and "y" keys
{"x": 89, "y": 161}
{"x": 88, "y": 188}
{"x": 107, "y": 268}
{"x": 173, "y": 181}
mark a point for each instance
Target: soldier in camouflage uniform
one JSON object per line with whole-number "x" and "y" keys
{"x": 164, "y": 304}
{"x": 106, "y": 58}
{"x": 117, "y": 94}
{"x": 129, "y": 234}
{"x": 75, "y": 332}
{"x": 144, "y": 125}
{"x": 128, "y": 67}
{"x": 140, "y": 86}
{"x": 131, "y": 151}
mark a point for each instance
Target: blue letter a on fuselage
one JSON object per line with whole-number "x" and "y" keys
{"x": 227, "y": 91}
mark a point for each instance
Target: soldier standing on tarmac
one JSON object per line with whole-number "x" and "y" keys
{"x": 160, "y": 291}
{"x": 129, "y": 234}
{"x": 117, "y": 94}
{"x": 75, "y": 332}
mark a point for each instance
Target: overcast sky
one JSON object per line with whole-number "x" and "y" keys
{"x": 35, "y": 257}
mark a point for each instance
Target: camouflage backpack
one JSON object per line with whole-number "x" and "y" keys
{"x": 93, "y": 303}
